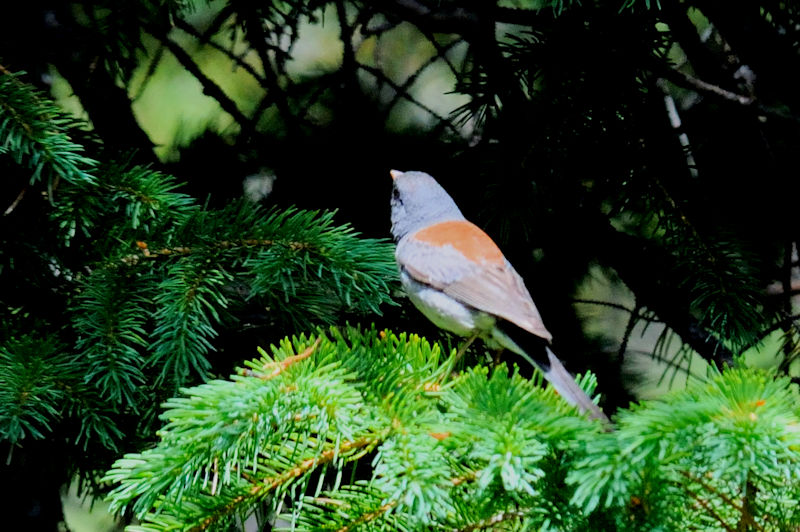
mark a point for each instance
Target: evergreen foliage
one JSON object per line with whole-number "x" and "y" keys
{"x": 458, "y": 450}
{"x": 722, "y": 455}
{"x": 448, "y": 450}
{"x": 655, "y": 141}
{"x": 35, "y": 134}
{"x": 148, "y": 277}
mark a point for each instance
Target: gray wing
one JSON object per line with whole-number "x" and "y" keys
{"x": 493, "y": 287}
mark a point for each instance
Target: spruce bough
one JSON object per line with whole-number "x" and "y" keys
{"x": 442, "y": 449}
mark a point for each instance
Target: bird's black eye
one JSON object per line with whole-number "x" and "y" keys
{"x": 395, "y": 193}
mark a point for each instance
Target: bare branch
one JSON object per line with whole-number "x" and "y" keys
{"x": 383, "y": 77}
{"x": 209, "y": 87}
{"x": 14, "y": 204}
{"x": 690, "y": 82}
{"x": 683, "y": 79}
{"x": 205, "y": 39}
{"x": 444, "y": 20}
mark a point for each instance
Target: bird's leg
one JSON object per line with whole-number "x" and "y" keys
{"x": 463, "y": 348}
{"x": 496, "y": 358}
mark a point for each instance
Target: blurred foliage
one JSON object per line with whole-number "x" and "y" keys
{"x": 649, "y": 147}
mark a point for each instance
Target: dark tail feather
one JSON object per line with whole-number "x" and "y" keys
{"x": 558, "y": 376}
{"x": 536, "y": 351}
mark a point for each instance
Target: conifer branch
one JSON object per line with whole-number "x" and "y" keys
{"x": 368, "y": 517}
{"x": 746, "y": 516}
{"x": 493, "y": 520}
{"x": 709, "y": 509}
{"x": 395, "y": 416}
{"x": 262, "y": 488}
{"x": 35, "y": 133}
{"x": 147, "y": 252}
{"x": 112, "y": 336}
{"x": 279, "y": 367}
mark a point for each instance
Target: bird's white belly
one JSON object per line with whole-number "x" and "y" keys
{"x": 444, "y": 311}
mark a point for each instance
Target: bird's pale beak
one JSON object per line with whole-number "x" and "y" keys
{"x": 395, "y": 173}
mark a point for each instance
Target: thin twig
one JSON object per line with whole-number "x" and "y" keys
{"x": 404, "y": 88}
{"x": 151, "y": 70}
{"x": 269, "y": 484}
{"x": 493, "y": 520}
{"x": 730, "y": 502}
{"x": 147, "y": 253}
{"x": 683, "y": 79}
{"x": 204, "y": 38}
{"x": 384, "y": 78}
{"x": 279, "y": 366}
{"x": 346, "y": 36}
{"x": 209, "y": 87}
{"x": 675, "y": 121}
{"x": 443, "y": 20}
{"x": 15, "y": 202}
{"x": 623, "y": 345}
{"x": 617, "y": 306}
{"x": 257, "y": 37}
{"x": 780, "y": 324}
{"x": 383, "y": 27}
{"x": 707, "y": 507}
{"x": 368, "y": 517}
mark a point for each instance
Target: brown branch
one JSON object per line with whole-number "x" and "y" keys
{"x": 16, "y": 201}
{"x": 690, "y": 82}
{"x": 349, "y": 65}
{"x": 370, "y": 516}
{"x": 707, "y": 507}
{"x": 279, "y": 366}
{"x": 264, "y": 487}
{"x": 727, "y": 500}
{"x": 493, "y": 520}
{"x": 685, "y": 80}
{"x": 148, "y": 253}
{"x": 747, "y": 506}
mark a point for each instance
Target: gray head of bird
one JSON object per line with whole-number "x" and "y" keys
{"x": 418, "y": 201}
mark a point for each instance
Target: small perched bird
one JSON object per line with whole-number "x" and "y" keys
{"x": 459, "y": 279}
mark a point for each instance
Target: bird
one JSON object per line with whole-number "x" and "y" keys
{"x": 457, "y": 276}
